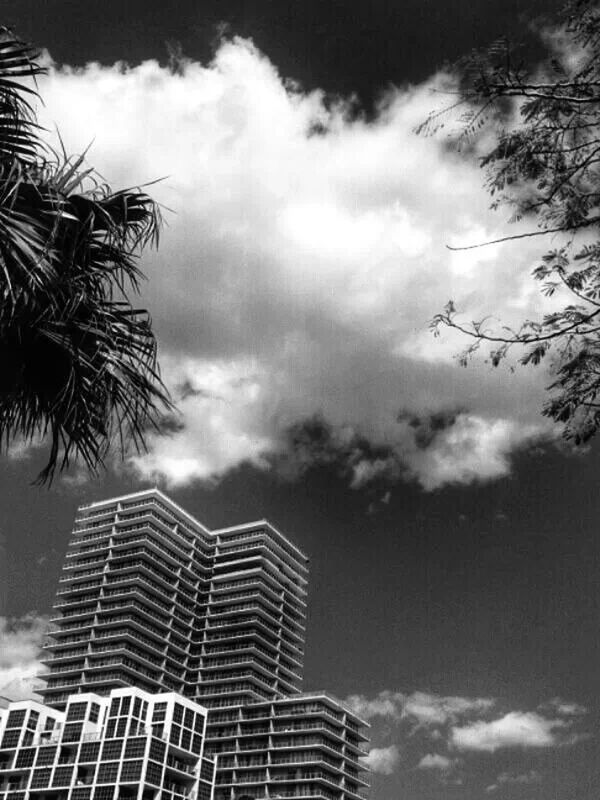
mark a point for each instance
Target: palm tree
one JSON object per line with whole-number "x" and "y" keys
{"x": 78, "y": 363}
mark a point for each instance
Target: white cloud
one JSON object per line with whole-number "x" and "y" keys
{"x": 423, "y": 708}
{"x": 20, "y": 642}
{"x": 382, "y": 760}
{"x": 515, "y": 729}
{"x": 519, "y": 779}
{"x": 435, "y": 761}
{"x": 298, "y": 274}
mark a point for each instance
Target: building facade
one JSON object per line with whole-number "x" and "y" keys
{"x": 149, "y": 597}
{"x": 126, "y": 745}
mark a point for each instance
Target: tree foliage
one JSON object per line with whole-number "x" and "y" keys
{"x": 78, "y": 363}
{"x": 544, "y": 165}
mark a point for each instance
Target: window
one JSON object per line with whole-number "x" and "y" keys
{"x": 137, "y": 704}
{"x": 197, "y": 745}
{"x": 112, "y": 750}
{"x": 81, "y": 794}
{"x": 178, "y": 713}
{"x": 125, "y": 703}
{"x": 114, "y": 707}
{"x": 72, "y": 733}
{"x": 206, "y": 770}
{"x": 135, "y": 748}
{"x": 104, "y": 793}
{"x": 121, "y": 727}
{"x": 199, "y": 724}
{"x": 27, "y": 738}
{"x": 41, "y": 777}
{"x": 62, "y": 776}
{"x": 186, "y": 740}
{"x": 153, "y": 773}
{"x": 89, "y": 751}
{"x": 45, "y": 756}
{"x": 94, "y": 712}
{"x": 131, "y": 771}
{"x": 158, "y": 730}
{"x": 160, "y": 712}
{"x": 16, "y": 719}
{"x": 189, "y": 718}
{"x": 76, "y": 711}
{"x": 175, "y": 734}
{"x": 25, "y": 758}
{"x": 157, "y": 750}
{"x": 49, "y": 723}
{"x": 110, "y": 728}
{"x": 107, "y": 773}
{"x": 204, "y": 791}
{"x": 33, "y": 719}
{"x": 11, "y": 738}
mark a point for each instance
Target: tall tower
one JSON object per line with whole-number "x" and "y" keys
{"x": 149, "y": 597}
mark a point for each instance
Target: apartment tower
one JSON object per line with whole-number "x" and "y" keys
{"x": 149, "y": 597}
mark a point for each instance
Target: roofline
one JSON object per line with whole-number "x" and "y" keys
{"x": 145, "y": 493}
{"x": 262, "y": 522}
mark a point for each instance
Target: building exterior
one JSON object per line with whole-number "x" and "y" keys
{"x": 128, "y": 744}
{"x": 149, "y": 597}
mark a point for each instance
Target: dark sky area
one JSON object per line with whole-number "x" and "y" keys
{"x": 479, "y": 591}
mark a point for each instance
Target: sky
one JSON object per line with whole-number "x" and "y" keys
{"x": 453, "y": 546}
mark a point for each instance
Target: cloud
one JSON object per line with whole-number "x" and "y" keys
{"x": 296, "y": 278}
{"x": 511, "y": 778}
{"x": 20, "y": 642}
{"x": 435, "y": 761}
{"x": 515, "y": 729}
{"x": 423, "y": 708}
{"x": 382, "y": 760}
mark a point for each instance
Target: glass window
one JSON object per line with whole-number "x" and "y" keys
{"x": 189, "y": 718}
{"x": 34, "y": 717}
{"x": 11, "y": 738}
{"x": 104, "y": 793}
{"x": 72, "y": 733}
{"x": 157, "y": 750}
{"x": 94, "y": 712}
{"x": 16, "y": 718}
{"x": 178, "y": 713}
{"x": 81, "y": 793}
{"x": 137, "y": 704}
{"x": 121, "y": 727}
{"x": 45, "y": 756}
{"x": 25, "y": 758}
{"x": 76, "y": 711}
{"x": 107, "y": 773}
{"x": 135, "y": 748}
{"x": 89, "y": 751}
{"x": 153, "y": 773}
{"x": 131, "y": 770}
{"x": 49, "y": 723}
{"x": 62, "y": 776}
{"x": 159, "y": 713}
{"x": 41, "y": 777}
{"x": 112, "y": 749}
{"x": 125, "y": 704}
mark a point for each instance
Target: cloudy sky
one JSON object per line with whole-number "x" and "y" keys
{"x": 453, "y": 546}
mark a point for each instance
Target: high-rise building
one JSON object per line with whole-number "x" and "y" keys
{"x": 127, "y": 745}
{"x": 150, "y": 597}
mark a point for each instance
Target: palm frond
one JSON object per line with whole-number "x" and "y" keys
{"x": 79, "y": 362}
